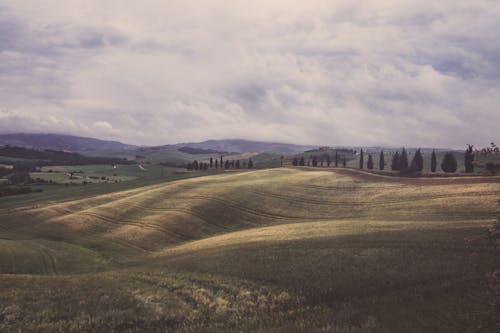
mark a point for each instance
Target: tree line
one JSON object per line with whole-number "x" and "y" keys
{"x": 321, "y": 160}
{"x": 400, "y": 161}
{"x": 220, "y": 164}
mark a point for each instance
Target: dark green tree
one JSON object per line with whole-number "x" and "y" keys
{"x": 361, "y": 159}
{"x": 195, "y": 165}
{"x": 381, "y": 161}
{"x": 469, "y": 159}
{"x": 227, "y": 164}
{"x": 403, "y": 160}
{"x": 221, "y": 161}
{"x": 328, "y": 160}
{"x": 449, "y": 163}
{"x": 237, "y": 164}
{"x": 302, "y": 162}
{"x": 417, "y": 164}
{"x": 314, "y": 161}
{"x": 369, "y": 164}
{"x": 336, "y": 159}
{"x": 211, "y": 162}
{"x": 295, "y": 161}
{"x": 250, "y": 164}
{"x": 395, "y": 162}
{"x": 433, "y": 161}
{"x": 216, "y": 164}
{"x": 344, "y": 162}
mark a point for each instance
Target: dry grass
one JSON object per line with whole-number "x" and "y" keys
{"x": 270, "y": 250}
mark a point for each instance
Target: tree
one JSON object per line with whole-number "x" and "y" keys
{"x": 250, "y": 164}
{"x": 344, "y": 162}
{"x": 195, "y": 165}
{"x": 449, "y": 163}
{"x": 205, "y": 166}
{"x": 237, "y": 164}
{"x": 189, "y": 166}
{"x": 381, "y": 161}
{"x": 417, "y": 164}
{"x": 336, "y": 159}
{"x": 469, "y": 159}
{"x": 403, "y": 160}
{"x": 361, "y": 159}
{"x": 221, "y": 161}
{"x": 433, "y": 161}
{"x": 216, "y": 164}
{"x": 328, "y": 160}
{"x": 302, "y": 162}
{"x": 369, "y": 164}
{"x": 281, "y": 158}
{"x": 211, "y": 162}
{"x": 295, "y": 161}
{"x": 395, "y": 162}
{"x": 226, "y": 164}
{"x": 314, "y": 161}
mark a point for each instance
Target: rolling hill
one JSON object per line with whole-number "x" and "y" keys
{"x": 243, "y": 146}
{"x": 60, "y": 142}
{"x": 271, "y": 250}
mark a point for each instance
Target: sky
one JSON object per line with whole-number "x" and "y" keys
{"x": 150, "y": 72}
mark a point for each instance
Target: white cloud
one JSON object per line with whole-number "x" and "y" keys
{"x": 322, "y": 72}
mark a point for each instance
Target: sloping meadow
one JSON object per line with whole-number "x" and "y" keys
{"x": 269, "y": 250}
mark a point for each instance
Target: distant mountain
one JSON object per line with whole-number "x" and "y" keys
{"x": 60, "y": 142}
{"x": 246, "y": 146}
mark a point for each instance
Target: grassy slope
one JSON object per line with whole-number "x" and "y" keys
{"x": 273, "y": 250}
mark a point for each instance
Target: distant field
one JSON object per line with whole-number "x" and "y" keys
{"x": 67, "y": 189}
{"x": 280, "y": 250}
{"x": 88, "y": 173}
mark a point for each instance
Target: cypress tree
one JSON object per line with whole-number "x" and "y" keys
{"x": 395, "y": 162}
{"x": 469, "y": 159}
{"x": 250, "y": 164}
{"x": 449, "y": 163}
{"x": 221, "y": 161}
{"x": 216, "y": 164}
{"x": 344, "y": 162}
{"x": 302, "y": 162}
{"x": 381, "y": 161}
{"x": 403, "y": 160}
{"x": 295, "y": 161}
{"x": 237, "y": 164}
{"x": 433, "y": 161}
{"x": 195, "y": 165}
{"x": 211, "y": 162}
{"x": 336, "y": 159}
{"x": 315, "y": 161}
{"x": 369, "y": 164}
{"x": 328, "y": 160}
{"x": 417, "y": 164}
{"x": 361, "y": 159}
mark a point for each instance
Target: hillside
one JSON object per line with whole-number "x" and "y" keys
{"x": 59, "y": 142}
{"x": 246, "y": 146}
{"x": 272, "y": 250}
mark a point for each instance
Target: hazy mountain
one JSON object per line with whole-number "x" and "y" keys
{"x": 246, "y": 146}
{"x": 59, "y": 142}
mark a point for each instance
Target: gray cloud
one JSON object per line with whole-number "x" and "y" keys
{"x": 322, "y": 72}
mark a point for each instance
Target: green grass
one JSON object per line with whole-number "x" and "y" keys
{"x": 282, "y": 250}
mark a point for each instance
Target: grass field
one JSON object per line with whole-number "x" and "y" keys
{"x": 280, "y": 250}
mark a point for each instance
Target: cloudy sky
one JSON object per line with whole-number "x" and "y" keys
{"x": 393, "y": 72}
